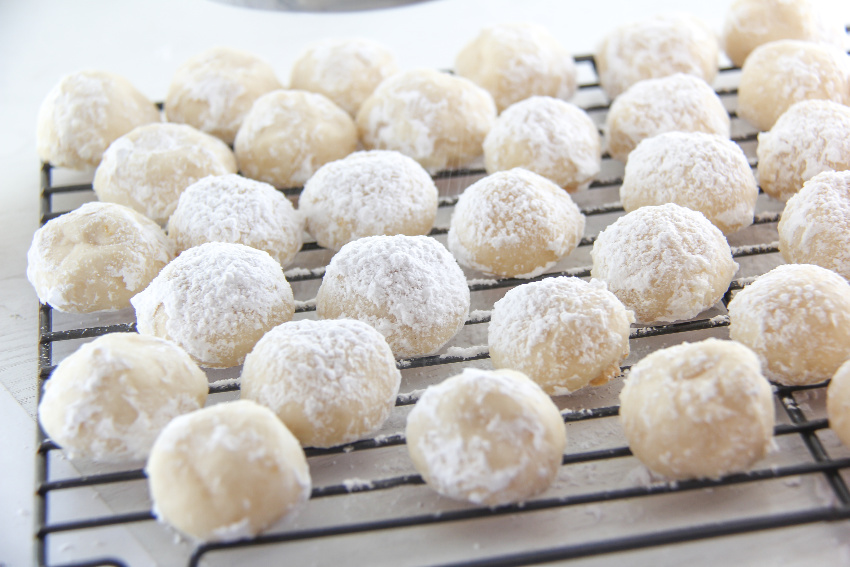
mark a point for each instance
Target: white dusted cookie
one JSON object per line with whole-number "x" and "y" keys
{"x": 409, "y": 288}
{"x": 227, "y": 472}
{"x": 110, "y": 399}
{"x": 232, "y": 208}
{"x": 329, "y": 381}
{"x": 149, "y": 167}
{"x": 487, "y": 437}
{"x": 96, "y": 257}
{"x": 84, "y": 113}
{"x": 838, "y": 403}
{"x": 563, "y": 333}
{"x": 368, "y": 194}
{"x": 796, "y": 318}
{"x": 514, "y": 224}
{"x": 698, "y": 410}
{"x": 216, "y": 300}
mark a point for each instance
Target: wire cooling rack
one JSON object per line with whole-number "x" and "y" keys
{"x": 370, "y": 507}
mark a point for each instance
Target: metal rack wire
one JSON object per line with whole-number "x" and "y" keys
{"x": 797, "y": 423}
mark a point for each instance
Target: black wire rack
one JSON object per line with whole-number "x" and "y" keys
{"x": 807, "y": 452}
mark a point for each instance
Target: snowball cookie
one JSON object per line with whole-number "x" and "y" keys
{"x": 815, "y": 225}
{"x": 368, "y": 194}
{"x": 656, "y": 47}
{"x": 84, "y": 113}
{"x": 780, "y": 73}
{"x": 700, "y": 171}
{"x": 231, "y": 208}
{"x": 96, "y": 258}
{"x": 811, "y": 137}
{"x": 215, "y": 89}
{"x": 216, "y": 300}
{"x": 110, "y": 399}
{"x": 330, "y": 382}
{"x": 516, "y": 60}
{"x": 698, "y": 410}
{"x": 488, "y": 437}
{"x": 227, "y": 472}
{"x": 678, "y": 103}
{"x": 796, "y": 318}
{"x": 288, "y": 135}
{"x": 838, "y": 403}
{"x": 664, "y": 262}
{"x": 345, "y": 70}
{"x": 437, "y": 119}
{"x": 147, "y": 168}
{"x": 751, "y": 23}
{"x": 550, "y": 137}
{"x": 564, "y": 333}
{"x": 409, "y": 288}
{"x": 514, "y": 224}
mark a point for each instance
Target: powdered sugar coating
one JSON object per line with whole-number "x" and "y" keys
{"x": 409, "y": 288}
{"x": 110, "y": 399}
{"x": 329, "y": 381}
{"x": 214, "y": 90}
{"x": 437, "y": 119}
{"x": 778, "y": 74}
{"x": 95, "y": 258}
{"x": 148, "y": 168}
{"x": 516, "y": 60}
{"x": 796, "y": 318}
{"x": 563, "y": 333}
{"x": 664, "y": 262}
{"x": 812, "y": 136}
{"x": 838, "y": 403}
{"x": 677, "y": 103}
{"x": 656, "y": 47}
{"x": 216, "y": 300}
{"x": 84, "y": 113}
{"x": 815, "y": 224}
{"x": 700, "y": 171}
{"x": 487, "y": 437}
{"x": 550, "y": 137}
{"x": 231, "y": 208}
{"x": 368, "y": 194}
{"x": 698, "y": 410}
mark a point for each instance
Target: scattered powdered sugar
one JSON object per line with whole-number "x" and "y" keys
{"x": 357, "y": 484}
{"x": 465, "y": 352}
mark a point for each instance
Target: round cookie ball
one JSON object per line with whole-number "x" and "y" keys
{"x": 751, "y": 23}
{"x": 288, "y": 135}
{"x": 345, "y": 70}
{"x": 330, "y": 382}
{"x": 96, "y": 258}
{"x": 838, "y": 403}
{"x": 214, "y": 90}
{"x": 436, "y": 118}
{"x": 409, "y": 288}
{"x": 84, "y": 113}
{"x": 550, "y": 137}
{"x": 656, "y": 47}
{"x": 699, "y": 171}
{"x": 368, "y": 194}
{"x": 698, "y": 410}
{"x": 216, "y": 300}
{"x": 815, "y": 224}
{"x": 227, "y": 472}
{"x": 110, "y": 399}
{"x": 678, "y": 103}
{"x": 148, "y": 168}
{"x": 514, "y": 224}
{"x": 664, "y": 262}
{"x": 578, "y": 335}
{"x": 812, "y": 136}
{"x": 231, "y": 208}
{"x": 780, "y": 73}
{"x": 796, "y": 318}
{"x": 487, "y": 437}
{"x": 516, "y": 60}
